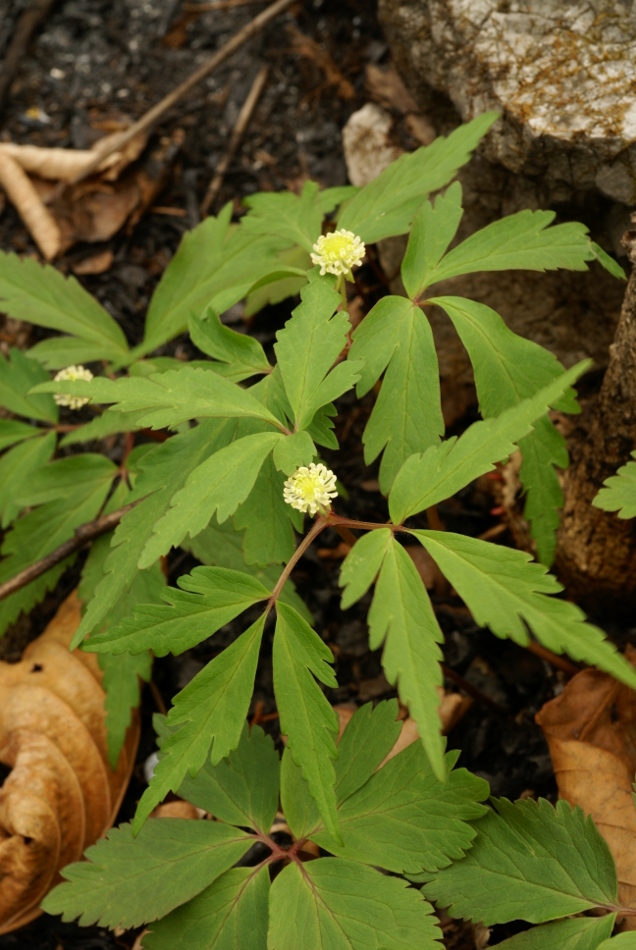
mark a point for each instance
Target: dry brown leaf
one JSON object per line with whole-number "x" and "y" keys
{"x": 591, "y": 733}
{"x": 177, "y": 809}
{"x": 95, "y": 264}
{"x": 61, "y": 794}
{"x": 22, "y": 194}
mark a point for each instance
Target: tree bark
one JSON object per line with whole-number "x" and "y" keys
{"x": 596, "y": 556}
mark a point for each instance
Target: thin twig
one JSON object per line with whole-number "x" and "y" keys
{"x": 117, "y": 142}
{"x": 242, "y": 122}
{"x": 83, "y": 536}
{"x": 560, "y": 662}
{"x": 27, "y": 24}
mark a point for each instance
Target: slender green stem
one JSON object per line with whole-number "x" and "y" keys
{"x": 319, "y": 525}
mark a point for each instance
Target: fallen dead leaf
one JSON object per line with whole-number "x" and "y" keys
{"x": 591, "y": 733}
{"x": 38, "y": 220}
{"x": 61, "y": 794}
{"x": 384, "y": 85}
{"x": 95, "y": 264}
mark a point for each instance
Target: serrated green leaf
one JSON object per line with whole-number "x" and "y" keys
{"x": 308, "y": 348}
{"x": 43, "y": 296}
{"x": 386, "y": 206}
{"x": 509, "y": 368}
{"x": 407, "y": 821}
{"x": 321, "y": 426}
{"x": 367, "y": 739}
{"x": 18, "y": 375}
{"x": 580, "y": 933}
{"x": 427, "y": 479}
{"x": 299, "y": 807}
{"x": 434, "y": 227}
{"x": 217, "y": 487}
{"x": 61, "y": 351}
{"x": 167, "y": 399}
{"x": 222, "y": 545}
{"x": 63, "y": 478}
{"x": 293, "y": 451}
{"x": 164, "y": 470}
{"x": 522, "y": 241}
{"x": 362, "y": 564}
{"x": 306, "y": 717}
{"x": 209, "y": 598}
{"x": 407, "y": 416}
{"x": 265, "y": 519}
{"x": 401, "y": 617}
{"x": 17, "y": 466}
{"x": 332, "y": 198}
{"x": 618, "y": 492}
{"x": 338, "y": 905}
{"x": 210, "y": 712}
{"x": 215, "y": 265}
{"x": 243, "y": 354}
{"x": 12, "y": 431}
{"x": 38, "y": 533}
{"x": 121, "y": 681}
{"x": 505, "y": 590}
{"x": 231, "y": 913}
{"x": 293, "y": 258}
{"x": 294, "y": 218}
{"x": 529, "y": 861}
{"x": 243, "y": 788}
{"x": 128, "y": 881}
{"x": 108, "y": 423}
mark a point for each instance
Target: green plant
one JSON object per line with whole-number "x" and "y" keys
{"x": 232, "y": 484}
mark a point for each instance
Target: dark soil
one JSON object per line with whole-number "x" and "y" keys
{"x": 97, "y": 60}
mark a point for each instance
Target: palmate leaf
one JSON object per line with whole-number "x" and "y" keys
{"x": 623, "y": 941}
{"x": 18, "y": 375}
{"x": 43, "y": 296}
{"x": 42, "y": 530}
{"x": 228, "y": 790}
{"x": 127, "y": 881}
{"x": 619, "y": 492}
{"x": 579, "y": 933}
{"x": 216, "y": 265}
{"x": 294, "y": 218}
{"x": 386, "y": 206}
{"x": 217, "y": 487}
{"x": 522, "y": 241}
{"x": 231, "y": 913}
{"x": 222, "y": 546}
{"x": 427, "y": 479}
{"x": 308, "y": 347}
{"x": 108, "y": 423}
{"x": 407, "y": 416}
{"x": 241, "y": 354}
{"x": 509, "y": 368}
{"x": 166, "y": 399}
{"x": 209, "y": 598}
{"x": 339, "y": 905}
{"x": 163, "y": 470}
{"x": 275, "y": 291}
{"x": 306, "y": 717}
{"x": 505, "y": 590}
{"x": 209, "y": 712}
{"x": 399, "y": 817}
{"x": 529, "y": 861}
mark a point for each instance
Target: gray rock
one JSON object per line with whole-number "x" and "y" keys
{"x": 562, "y": 72}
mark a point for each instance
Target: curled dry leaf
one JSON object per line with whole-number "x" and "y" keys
{"x": 23, "y": 195}
{"x": 591, "y": 732}
{"x": 61, "y": 794}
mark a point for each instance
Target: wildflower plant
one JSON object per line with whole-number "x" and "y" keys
{"x": 238, "y": 481}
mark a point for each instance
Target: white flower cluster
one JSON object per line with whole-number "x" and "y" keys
{"x": 72, "y": 373}
{"x": 338, "y": 252}
{"x": 311, "y": 488}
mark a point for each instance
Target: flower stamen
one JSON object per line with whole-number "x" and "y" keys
{"x": 311, "y": 489}
{"x": 337, "y": 253}
{"x": 71, "y": 374}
